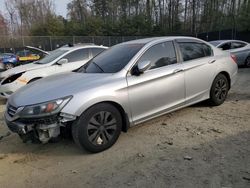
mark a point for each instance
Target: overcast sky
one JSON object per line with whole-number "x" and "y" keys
{"x": 61, "y": 6}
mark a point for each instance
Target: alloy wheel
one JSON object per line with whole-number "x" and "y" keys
{"x": 221, "y": 89}
{"x": 8, "y": 66}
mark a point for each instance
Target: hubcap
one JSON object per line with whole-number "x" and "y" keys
{"x": 101, "y": 128}
{"x": 221, "y": 89}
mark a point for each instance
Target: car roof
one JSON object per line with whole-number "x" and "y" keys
{"x": 155, "y": 39}
{"x": 224, "y": 41}
{"x": 80, "y": 46}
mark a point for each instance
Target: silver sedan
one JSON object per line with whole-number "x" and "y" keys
{"x": 239, "y": 48}
{"x": 128, "y": 84}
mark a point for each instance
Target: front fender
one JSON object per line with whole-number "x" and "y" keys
{"x": 77, "y": 107}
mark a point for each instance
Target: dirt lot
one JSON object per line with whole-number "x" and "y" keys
{"x": 198, "y": 146}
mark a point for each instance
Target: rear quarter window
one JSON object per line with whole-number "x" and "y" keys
{"x": 238, "y": 45}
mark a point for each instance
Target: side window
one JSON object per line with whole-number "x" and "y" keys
{"x": 193, "y": 50}
{"x": 160, "y": 55}
{"x": 226, "y": 46}
{"x": 238, "y": 45}
{"x": 21, "y": 53}
{"x": 28, "y": 53}
{"x": 96, "y": 51}
{"x": 78, "y": 55}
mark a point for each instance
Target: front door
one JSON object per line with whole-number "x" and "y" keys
{"x": 161, "y": 87}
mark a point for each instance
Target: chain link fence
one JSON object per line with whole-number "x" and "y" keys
{"x": 225, "y": 35}
{"x": 49, "y": 43}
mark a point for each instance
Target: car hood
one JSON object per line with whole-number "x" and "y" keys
{"x": 36, "y": 49}
{"x": 22, "y": 68}
{"x": 54, "y": 87}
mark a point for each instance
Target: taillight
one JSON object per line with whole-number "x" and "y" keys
{"x": 234, "y": 58}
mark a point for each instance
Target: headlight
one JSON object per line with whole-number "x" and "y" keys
{"x": 12, "y": 78}
{"x": 44, "y": 109}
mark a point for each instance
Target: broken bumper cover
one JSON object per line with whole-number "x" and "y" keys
{"x": 7, "y": 89}
{"x": 16, "y": 127}
{"x": 22, "y": 126}
{"x": 42, "y": 129}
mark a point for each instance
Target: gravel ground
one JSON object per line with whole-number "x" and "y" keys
{"x": 198, "y": 146}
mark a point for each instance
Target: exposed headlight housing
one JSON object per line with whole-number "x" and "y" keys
{"x": 12, "y": 78}
{"x": 44, "y": 109}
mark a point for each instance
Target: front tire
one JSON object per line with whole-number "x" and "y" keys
{"x": 219, "y": 90}
{"x": 9, "y": 66}
{"x": 98, "y": 128}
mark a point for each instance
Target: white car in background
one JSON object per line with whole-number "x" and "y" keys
{"x": 65, "y": 59}
{"x": 240, "y": 49}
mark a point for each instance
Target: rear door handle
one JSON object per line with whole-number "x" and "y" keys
{"x": 212, "y": 61}
{"x": 177, "y": 70}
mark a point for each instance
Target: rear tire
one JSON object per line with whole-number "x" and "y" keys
{"x": 219, "y": 90}
{"x": 9, "y": 66}
{"x": 98, "y": 128}
{"x": 247, "y": 63}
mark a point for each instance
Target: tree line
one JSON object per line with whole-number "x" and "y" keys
{"x": 124, "y": 17}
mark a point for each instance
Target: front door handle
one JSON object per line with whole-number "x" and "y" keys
{"x": 212, "y": 61}
{"x": 177, "y": 70}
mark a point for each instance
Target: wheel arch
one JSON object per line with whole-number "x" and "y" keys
{"x": 227, "y": 75}
{"x": 33, "y": 79}
{"x": 119, "y": 107}
{"x": 125, "y": 119}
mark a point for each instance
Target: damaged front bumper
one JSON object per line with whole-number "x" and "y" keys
{"x": 38, "y": 129}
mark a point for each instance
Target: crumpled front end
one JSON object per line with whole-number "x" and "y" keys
{"x": 41, "y": 129}
{"x": 10, "y": 84}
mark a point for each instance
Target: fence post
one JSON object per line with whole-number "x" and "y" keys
{"x": 109, "y": 42}
{"x": 23, "y": 40}
{"x": 93, "y": 40}
{"x": 74, "y": 40}
{"x": 50, "y": 41}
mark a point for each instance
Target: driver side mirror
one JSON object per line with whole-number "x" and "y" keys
{"x": 140, "y": 68}
{"x": 62, "y": 61}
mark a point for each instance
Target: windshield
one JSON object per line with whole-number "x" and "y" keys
{"x": 112, "y": 60}
{"x": 52, "y": 56}
{"x": 215, "y": 43}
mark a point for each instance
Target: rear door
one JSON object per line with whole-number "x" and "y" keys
{"x": 161, "y": 87}
{"x": 199, "y": 67}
